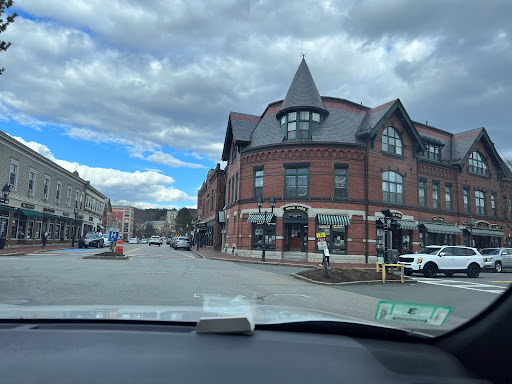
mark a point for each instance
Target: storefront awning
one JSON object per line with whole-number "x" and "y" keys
{"x": 26, "y": 212}
{"x": 333, "y": 220}
{"x": 407, "y": 224}
{"x": 487, "y": 232}
{"x": 6, "y": 208}
{"x": 259, "y": 218}
{"x": 449, "y": 229}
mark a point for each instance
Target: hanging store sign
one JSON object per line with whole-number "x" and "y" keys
{"x": 49, "y": 210}
{"x": 496, "y": 226}
{"x": 65, "y": 214}
{"x": 482, "y": 224}
{"x": 295, "y": 208}
{"x": 437, "y": 218}
{"x": 396, "y": 215}
{"x": 91, "y": 218}
{"x": 4, "y": 200}
{"x": 27, "y": 205}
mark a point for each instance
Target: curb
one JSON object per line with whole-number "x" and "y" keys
{"x": 14, "y": 254}
{"x": 124, "y": 257}
{"x": 198, "y": 254}
{"x": 262, "y": 262}
{"x": 299, "y": 277}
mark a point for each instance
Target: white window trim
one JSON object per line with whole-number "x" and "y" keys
{"x": 17, "y": 163}
{"x": 31, "y": 192}
{"x": 81, "y": 200}
{"x": 69, "y": 195}
{"x": 46, "y": 177}
{"x": 57, "y": 200}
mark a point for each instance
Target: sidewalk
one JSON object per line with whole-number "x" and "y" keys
{"x": 210, "y": 254}
{"x": 24, "y": 250}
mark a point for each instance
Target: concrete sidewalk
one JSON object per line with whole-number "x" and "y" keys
{"x": 211, "y": 254}
{"x": 18, "y": 251}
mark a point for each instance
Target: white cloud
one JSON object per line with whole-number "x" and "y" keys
{"x": 166, "y": 159}
{"x": 116, "y": 184}
{"x": 144, "y": 205}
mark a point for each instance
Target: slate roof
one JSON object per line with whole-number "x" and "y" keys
{"x": 462, "y": 143}
{"x": 242, "y": 125}
{"x": 303, "y": 91}
{"x": 373, "y": 117}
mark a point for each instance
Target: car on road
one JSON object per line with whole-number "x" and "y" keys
{"x": 497, "y": 258}
{"x": 133, "y": 240}
{"x": 106, "y": 241}
{"x": 91, "y": 239}
{"x": 144, "y": 241}
{"x": 446, "y": 259}
{"x": 155, "y": 240}
{"x": 182, "y": 242}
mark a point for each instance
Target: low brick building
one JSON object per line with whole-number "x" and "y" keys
{"x": 333, "y": 166}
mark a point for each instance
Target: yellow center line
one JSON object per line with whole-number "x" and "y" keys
{"x": 501, "y": 281}
{"x": 133, "y": 250}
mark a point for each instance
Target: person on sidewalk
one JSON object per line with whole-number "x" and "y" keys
{"x": 326, "y": 259}
{"x": 45, "y": 236}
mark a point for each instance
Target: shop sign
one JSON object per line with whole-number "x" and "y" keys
{"x": 482, "y": 224}
{"x": 295, "y": 215}
{"x": 4, "y": 200}
{"x": 65, "y": 214}
{"x": 201, "y": 227}
{"x": 49, "y": 210}
{"x": 80, "y": 217}
{"x": 26, "y": 205}
{"x": 437, "y": 218}
{"x": 396, "y": 215}
{"x": 496, "y": 226}
{"x": 91, "y": 218}
{"x": 295, "y": 208}
{"x": 321, "y": 240}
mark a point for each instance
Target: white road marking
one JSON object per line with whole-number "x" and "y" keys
{"x": 463, "y": 285}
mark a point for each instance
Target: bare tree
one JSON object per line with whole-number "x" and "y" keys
{"x": 4, "y": 5}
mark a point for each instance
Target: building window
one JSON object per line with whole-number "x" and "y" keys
{"x": 392, "y": 187}
{"x": 480, "y": 203}
{"x": 258, "y": 183}
{"x": 270, "y": 235}
{"x": 236, "y": 189}
{"x": 235, "y": 153}
{"x": 435, "y": 196}
{"x": 68, "y": 196}
{"x": 46, "y": 187}
{"x": 77, "y": 198}
{"x": 126, "y": 213}
{"x": 448, "y": 197}
{"x": 298, "y": 124}
{"x": 505, "y": 207}
{"x": 467, "y": 205}
{"x": 493, "y": 204}
{"x": 422, "y": 191}
{"x": 125, "y": 227}
{"x": 31, "y": 182}
{"x": 13, "y": 175}
{"x": 296, "y": 182}
{"x": 340, "y": 182}
{"x": 58, "y": 191}
{"x": 232, "y": 188}
{"x": 433, "y": 152}
{"x": 81, "y": 200}
{"x": 315, "y": 117}
{"x": 292, "y": 126}
{"x": 229, "y": 192}
{"x": 477, "y": 164}
{"x": 391, "y": 141}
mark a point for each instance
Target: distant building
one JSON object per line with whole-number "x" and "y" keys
{"x": 125, "y": 217}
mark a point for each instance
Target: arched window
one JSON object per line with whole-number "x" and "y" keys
{"x": 391, "y": 141}
{"x": 477, "y": 164}
{"x": 392, "y": 187}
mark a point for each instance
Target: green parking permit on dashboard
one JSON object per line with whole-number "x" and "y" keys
{"x": 412, "y": 313}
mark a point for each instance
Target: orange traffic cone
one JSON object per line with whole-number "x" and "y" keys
{"x": 119, "y": 246}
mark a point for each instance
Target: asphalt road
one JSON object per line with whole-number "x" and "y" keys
{"x": 162, "y": 276}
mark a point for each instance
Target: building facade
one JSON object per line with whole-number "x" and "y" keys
{"x": 335, "y": 167}
{"x": 43, "y": 197}
{"x": 125, "y": 217}
{"x": 210, "y": 206}
{"x": 106, "y": 219}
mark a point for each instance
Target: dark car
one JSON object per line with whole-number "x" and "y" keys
{"x": 91, "y": 239}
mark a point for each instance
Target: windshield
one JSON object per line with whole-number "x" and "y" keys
{"x": 429, "y": 250}
{"x": 495, "y": 251}
{"x": 170, "y": 159}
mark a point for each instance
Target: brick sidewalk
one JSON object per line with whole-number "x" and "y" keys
{"x": 211, "y": 254}
{"x": 25, "y": 250}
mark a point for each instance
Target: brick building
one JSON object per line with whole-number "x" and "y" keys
{"x": 125, "y": 217}
{"x": 333, "y": 166}
{"x": 210, "y": 206}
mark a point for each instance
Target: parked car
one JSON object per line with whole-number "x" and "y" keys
{"x": 155, "y": 240}
{"x": 447, "y": 259}
{"x": 497, "y": 258}
{"x": 144, "y": 241}
{"x": 91, "y": 239}
{"x": 106, "y": 241}
{"x": 182, "y": 242}
{"x": 133, "y": 240}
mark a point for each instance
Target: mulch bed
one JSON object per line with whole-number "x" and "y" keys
{"x": 344, "y": 275}
{"x": 109, "y": 254}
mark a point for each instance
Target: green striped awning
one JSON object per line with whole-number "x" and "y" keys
{"x": 26, "y": 212}
{"x": 449, "y": 229}
{"x": 259, "y": 218}
{"x": 333, "y": 220}
{"x": 487, "y": 232}
{"x": 6, "y": 208}
{"x": 407, "y": 224}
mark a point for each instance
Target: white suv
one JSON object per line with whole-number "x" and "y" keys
{"x": 155, "y": 240}
{"x": 440, "y": 258}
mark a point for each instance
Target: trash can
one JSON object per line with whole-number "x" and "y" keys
{"x": 392, "y": 256}
{"x": 2, "y": 242}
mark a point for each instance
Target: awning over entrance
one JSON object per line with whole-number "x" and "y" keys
{"x": 6, "y": 208}
{"x": 407, "y": 224}
{"x": 333, "y": 220}
{"x": 259, "y": 218}
{"x": 487, "y": 232}
{"x": 26, "y": 212}
{"x": 449, "y": 229}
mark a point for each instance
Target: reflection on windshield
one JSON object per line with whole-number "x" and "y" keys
{"x": 91, "y": 235}
{"x": 490, "y": 251}
{"x": 428, "y": 250}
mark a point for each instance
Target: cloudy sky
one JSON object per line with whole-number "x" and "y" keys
{"x": 136, "y": 94}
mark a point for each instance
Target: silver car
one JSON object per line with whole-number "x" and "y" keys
{"x": 497, "y": 258}
{"x": 182, "y": 242}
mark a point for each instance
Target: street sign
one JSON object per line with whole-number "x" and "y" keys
{"x": 112, "y": 236}
{"x": 321, "y": 240}
{"x": 412, "y": 313}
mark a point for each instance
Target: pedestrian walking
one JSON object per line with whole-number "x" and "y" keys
{"x": 326, "y": 259}
{"x": 45, "y": 236}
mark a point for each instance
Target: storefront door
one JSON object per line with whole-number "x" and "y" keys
{"x": 295, "y": 234}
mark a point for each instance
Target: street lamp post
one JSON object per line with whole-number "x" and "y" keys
{"x": 75, "y": 211}
{"x": 471, "y": 224}
{"x": 265, "y": 222}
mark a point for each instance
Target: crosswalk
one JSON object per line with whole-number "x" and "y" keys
{"x": 463, "y": 284}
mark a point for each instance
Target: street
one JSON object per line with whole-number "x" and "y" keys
{"x": 156, "y": 275}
